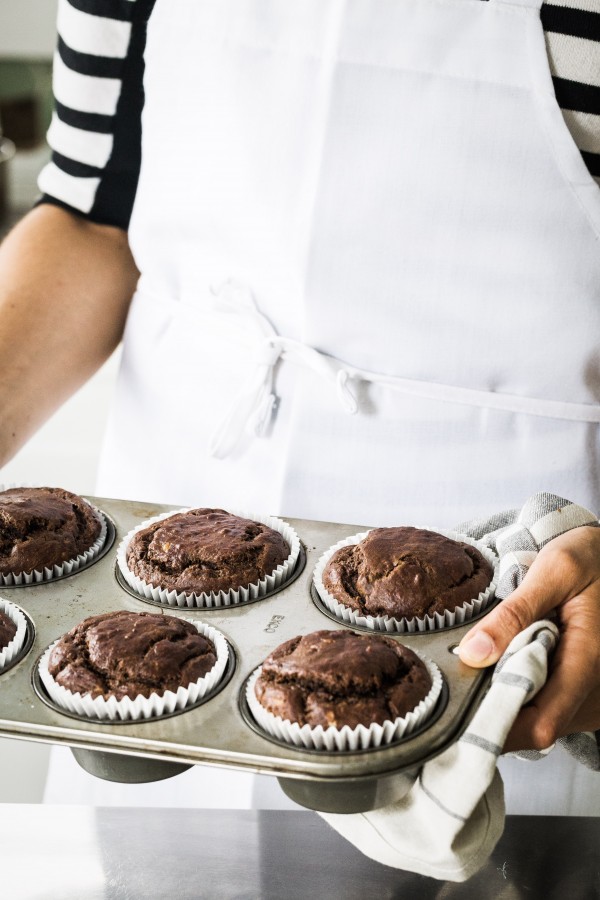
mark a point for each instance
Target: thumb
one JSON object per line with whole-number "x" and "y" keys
{"x": 538, "y": 593}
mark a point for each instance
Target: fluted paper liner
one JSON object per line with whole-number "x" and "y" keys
{"x": 13, "y": 648}
{"x": 362, "y": 737}
{"x": 457, "y": 616}
{"x": 111, "y": 709}
{"x": 70, "y": 566}
{"x": 204, "y": 600}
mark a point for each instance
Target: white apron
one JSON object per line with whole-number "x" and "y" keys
{"x": 392, "y": 185}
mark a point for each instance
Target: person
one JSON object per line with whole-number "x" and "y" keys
{"x": 368, "y": 248}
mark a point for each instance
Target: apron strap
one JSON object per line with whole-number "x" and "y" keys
{"x": 252, "y": 410}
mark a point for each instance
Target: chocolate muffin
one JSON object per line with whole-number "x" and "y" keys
{"x": 124, "y": 654}
{"x": 8, "y": 629}
{"x": 337, "y": 678}
{"x": 42, "y": 527}
{"x": 406, "y": 572}
{"x": 205, "y": 551}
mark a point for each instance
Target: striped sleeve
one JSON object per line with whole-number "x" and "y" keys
{"x": 572, "y": 30}
{"x": 95, "y": 133}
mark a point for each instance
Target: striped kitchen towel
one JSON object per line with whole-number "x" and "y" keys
{"x": 517, "y": 537}
{"x": 452, "y": 817}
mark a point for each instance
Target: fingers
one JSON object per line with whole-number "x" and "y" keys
{"x": 564, "y": 577}
{"x": 551, "y": 713}
{"x": 485, "y": 643}
{"x": 542, "y": 722}
{"x": 520, "y": 736}
{"x": 570, "y": 700}
{"x": 558, "y": 573}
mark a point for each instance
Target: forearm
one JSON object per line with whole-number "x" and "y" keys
{"x": 65, "y": 288}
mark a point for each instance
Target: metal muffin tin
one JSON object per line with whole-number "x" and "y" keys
{"x": 219, "y": 731}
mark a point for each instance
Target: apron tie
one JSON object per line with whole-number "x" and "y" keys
{"x": 253, "y": 410}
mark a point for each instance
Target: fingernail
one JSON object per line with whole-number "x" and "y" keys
{"x": 477, "y": 647}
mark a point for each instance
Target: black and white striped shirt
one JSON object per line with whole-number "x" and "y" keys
{"x": 95, "y": 133}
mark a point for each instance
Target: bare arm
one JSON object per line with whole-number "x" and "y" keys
{"x": 65, "y": 288}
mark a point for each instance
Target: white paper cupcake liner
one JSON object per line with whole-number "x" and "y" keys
{"x": 223, "y": 598}
{"x": 332, "y": 739}
{"x": 13, "y": 648}
{"x": 70, "y": 566}
{"x": 457, "y": 616}
{"x": 111, "y": 709}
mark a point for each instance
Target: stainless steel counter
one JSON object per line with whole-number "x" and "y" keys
{"x": 82, "y": 853}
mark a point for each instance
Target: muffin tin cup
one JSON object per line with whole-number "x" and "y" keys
{"x": 14, "y": 647}
{"x": 232, "y": 597}
{"x": 59, "y": 570}
{"x": 448, "y": 619}
{"x": 156, "y": 705}
{"x": 331, "y": 739}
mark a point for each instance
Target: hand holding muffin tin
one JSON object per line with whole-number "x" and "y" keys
{"x": 219, "y": 730}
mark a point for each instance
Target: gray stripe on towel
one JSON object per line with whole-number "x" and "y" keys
{"x": 546, "y": 639}
{"x": 440, "y": 805}
{"x": 470, "y": 738}
{"x": 515, "y": 681}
